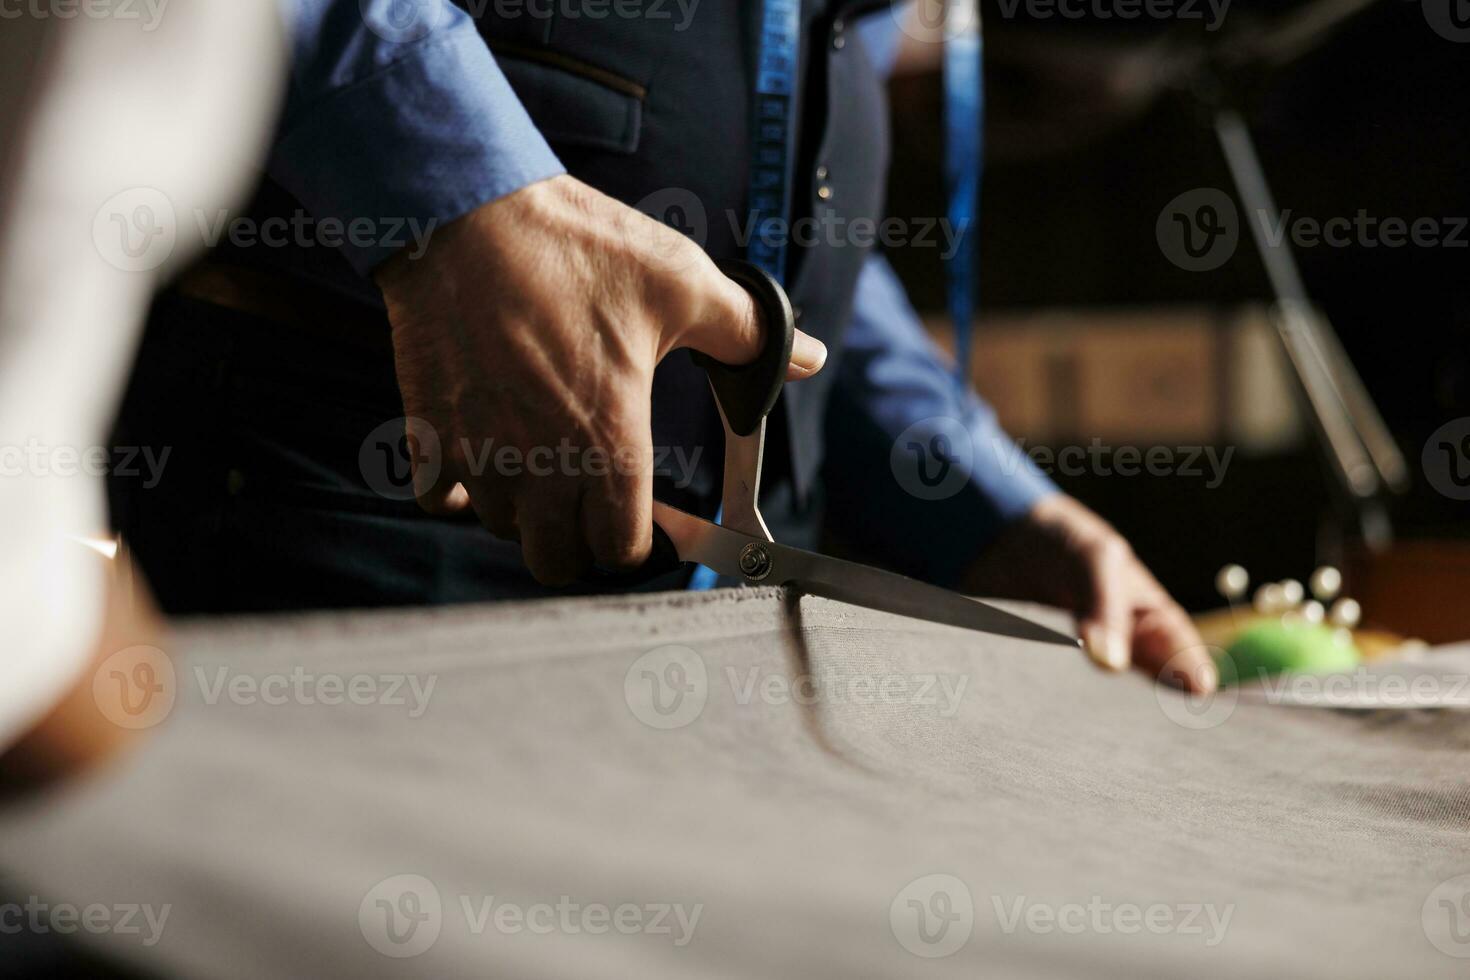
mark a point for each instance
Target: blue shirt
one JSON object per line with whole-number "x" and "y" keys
{"x": 397, "y": 108}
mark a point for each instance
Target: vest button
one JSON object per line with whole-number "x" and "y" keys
{"x": 822, "y": 173}
{"x": 825, "y": 192}
{"x": 838, "y": 41}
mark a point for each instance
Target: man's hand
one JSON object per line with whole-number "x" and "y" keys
{"x": 539, "y": 319}
{"x": 1063, "y": 554}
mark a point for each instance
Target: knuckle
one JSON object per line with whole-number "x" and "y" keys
{"x": 1110, "y": 551}
{"x": 624, "y": 548}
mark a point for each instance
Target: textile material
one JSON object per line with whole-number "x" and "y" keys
{"x": 553, "y": 762}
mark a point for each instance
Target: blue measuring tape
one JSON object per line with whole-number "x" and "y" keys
{"x": 771, "y": 162}
{"x": 964, "y": 102}
{"x": 770, "y": 159}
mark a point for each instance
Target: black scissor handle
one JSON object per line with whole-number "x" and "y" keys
{"x": 662, "y": 560}
{"x": 747, "y": 393}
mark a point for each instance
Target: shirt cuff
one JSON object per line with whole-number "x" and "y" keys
{"x": 427, "y": 138}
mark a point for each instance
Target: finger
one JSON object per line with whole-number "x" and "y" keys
{"x": 550, "y": 526}
{"x": 494, "y": 507}
{"x": 434, "y": 476}
{"x": 1167, "y": 647}
{"x": 446, "y": 504}
{"x": 617, "y": 513}
{"x": 731, "y": 329}
{"x": 808, "y": 355}
{"x": 1106, "y": 623}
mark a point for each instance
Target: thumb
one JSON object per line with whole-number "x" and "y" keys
{"x": 731, "y": 330}
{"x": 1107, "y": 625}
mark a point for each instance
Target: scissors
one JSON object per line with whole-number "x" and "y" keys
{"x": 740, "y": 547}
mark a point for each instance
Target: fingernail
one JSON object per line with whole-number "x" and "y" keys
{"x": 1207, "y": 678}
{"x": 808, "y": 353}
{"x": 1107, "y": 649}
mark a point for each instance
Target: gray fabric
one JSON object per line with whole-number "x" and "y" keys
{"x": 795, "y": 827}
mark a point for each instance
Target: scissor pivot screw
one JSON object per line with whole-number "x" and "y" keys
{"x": 755, "y": 562}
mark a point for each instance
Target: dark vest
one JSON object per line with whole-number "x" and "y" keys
{"x": 659, "y": 117}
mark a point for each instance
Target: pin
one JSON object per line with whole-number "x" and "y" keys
{"x": 1292, "y": 592}
{"x": 1231, "y": 582}
{"x": 1326, "y": 582}
{"x": 1313, "y": 612}
{"x": 1268, "y": 599}
{"x": 1346, "y": 612}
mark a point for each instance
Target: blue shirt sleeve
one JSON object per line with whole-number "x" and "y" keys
{"x": 397, "y": 110}
{"x": 882, "y": 38}
{"x": 918, "y": 470}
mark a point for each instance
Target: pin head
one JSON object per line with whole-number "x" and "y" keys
{"x": 1326, "y": 582}
{"x": 1232, "y": 581}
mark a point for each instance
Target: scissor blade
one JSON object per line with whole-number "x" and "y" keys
{"x": 707, "y": 543}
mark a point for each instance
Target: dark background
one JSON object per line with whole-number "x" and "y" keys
{"x": 1079, "y": 164}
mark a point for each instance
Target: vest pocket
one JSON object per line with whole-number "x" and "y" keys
{"x": 573, "y": 103}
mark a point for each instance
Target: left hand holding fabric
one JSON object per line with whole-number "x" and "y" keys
{"x": 1063, "y": 554}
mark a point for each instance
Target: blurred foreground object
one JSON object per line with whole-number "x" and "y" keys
{"x": 116, "y": 132}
